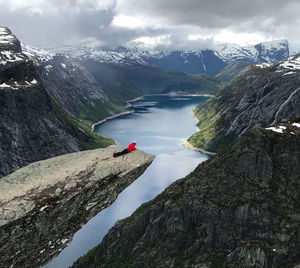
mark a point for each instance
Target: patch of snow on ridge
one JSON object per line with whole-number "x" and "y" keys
{"x": 263, "y": 65}
{"x": 276, "y": 129}
{"x": 5, "y": 36}
{"x": 296, "y": 124}
{"x": 292, "y": 63}
{"x": 275, "y": 45}
{"x": 8, "y": 56}
{"x": 37, "y": 55}
{"x": 289, "y": 73}
{"x": 4, "y": 85}
{"x": 105, "y": 56}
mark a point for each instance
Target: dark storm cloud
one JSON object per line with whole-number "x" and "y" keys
{"x": 91, "y": 22}
{"x": 214, "y": 13}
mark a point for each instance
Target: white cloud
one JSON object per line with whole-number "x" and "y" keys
{"x": 153, "y": 41}
{"x": 33, "y": 11}
{"x": 129, "y": 22}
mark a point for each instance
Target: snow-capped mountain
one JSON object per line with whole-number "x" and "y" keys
{"x": 206, "y": 61}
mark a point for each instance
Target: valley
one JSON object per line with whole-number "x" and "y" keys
{"x": 64, "y": 196}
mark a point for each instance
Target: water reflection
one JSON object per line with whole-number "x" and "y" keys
{"x": 160, "y": 131}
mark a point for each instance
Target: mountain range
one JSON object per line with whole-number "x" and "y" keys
{"x": 209, "y": 61}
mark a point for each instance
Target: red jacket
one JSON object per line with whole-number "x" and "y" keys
{"x": 131, "y": 147}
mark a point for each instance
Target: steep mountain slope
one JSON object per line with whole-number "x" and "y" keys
{"x": 72, "y": 85}
{"x": 32, "y": 125}
{"x": 238, "y": 209}
{"x": 231, "y": 70}
{"x": 260, "y": 95}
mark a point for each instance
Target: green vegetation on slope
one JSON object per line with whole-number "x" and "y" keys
{"x": 207, "y": 116}
{"x": 98, "y": 111}
{"x": 81, "y": 130}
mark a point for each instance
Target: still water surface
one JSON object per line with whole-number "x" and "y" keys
{"x": 159, "y": 124}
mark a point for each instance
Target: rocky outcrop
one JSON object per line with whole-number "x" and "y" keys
{"x": 260, "y": 95}
{"x": 238, "y": 209}
{"x": 33, "y": 126}
{"x": 45, "y": 203}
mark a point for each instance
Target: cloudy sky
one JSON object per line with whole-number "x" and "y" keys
{"x": 160, "y": 23}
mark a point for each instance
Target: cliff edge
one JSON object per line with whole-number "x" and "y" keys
{"x": 44, "y": 204}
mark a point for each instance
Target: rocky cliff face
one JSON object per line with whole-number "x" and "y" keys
{"x": 29, "y": 129}
{"x": 32, "y": 124}
{"x": 261, "y": 95}
{"x": 45, "y": 203}
{"x": 238, "y": 209}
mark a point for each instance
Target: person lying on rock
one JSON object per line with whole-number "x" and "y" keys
{"x": 130, "y": 148}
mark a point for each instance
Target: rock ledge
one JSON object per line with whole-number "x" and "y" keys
{"x": 45, "y": 203}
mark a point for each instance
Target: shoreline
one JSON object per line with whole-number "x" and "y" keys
{"x": 128, "y": 105}
{"x": 189, "y": 146}
{"x": 110, "y": 117}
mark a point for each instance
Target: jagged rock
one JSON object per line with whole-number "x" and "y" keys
{"x": 45, "y": 203}
{"x": 238, "y": 209}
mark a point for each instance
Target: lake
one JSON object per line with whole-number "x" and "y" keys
{"x": 159, "y": 124}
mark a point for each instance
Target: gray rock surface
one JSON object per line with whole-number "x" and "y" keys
{"x": 44, "y": 204}
{"x": 238, "y": 209}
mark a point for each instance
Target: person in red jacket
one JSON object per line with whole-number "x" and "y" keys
{"x": 130, "y": 148}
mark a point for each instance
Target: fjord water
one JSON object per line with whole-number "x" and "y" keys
{"x": 159, "y": 124}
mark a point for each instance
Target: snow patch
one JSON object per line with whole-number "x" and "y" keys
{"x": 288, "y": 73}
{"x": 64, "y": 240}
{"x": 4, "y": 85}
{"x": 263, "y": 65}
{"x": 41, "y": 209}
{"x": 292, "y": 63}
{"x": 8, "y": 56}
{"x": 296, "y": 124}
{"x": 63, "y": 65}
{"x": 275, "y": 129}
{"x": 37, "y": 55}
